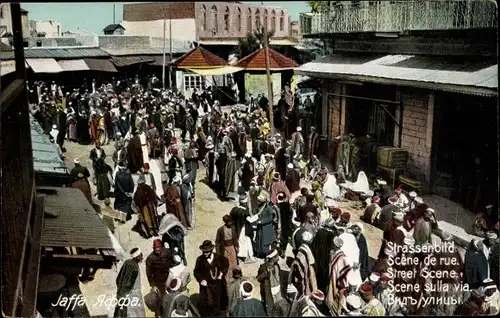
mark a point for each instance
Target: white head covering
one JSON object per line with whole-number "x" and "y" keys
{"x": 338, "y": 242}
{"x": 354, "y": 301}
{"x": 307, "y": 237}
{"x": 290, "y": 166}
{"x": 412, "y": 194}
{"x": 136, "y": 253}
{"x": 243, "y": 292}
{"x": 374, "y": 277}
{"x": 76, "y": 161}
{"x": 54, "y": 126}
{"x": 299, "y": 128}
{"x": 177, "y": 179}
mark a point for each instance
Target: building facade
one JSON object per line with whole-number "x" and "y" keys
{"x": 424, "y": 80}
{"x": 199, "y": 21}
{"x": 48, "y": 29}
{"x": 6, "y": 21}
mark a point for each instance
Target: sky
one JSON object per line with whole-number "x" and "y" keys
{"x": 95, "y": 16}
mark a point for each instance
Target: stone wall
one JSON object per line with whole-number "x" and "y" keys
{"x": 417, "y": 132}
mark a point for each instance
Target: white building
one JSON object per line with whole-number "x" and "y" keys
{"x": 49, "y": 28}
{"x": 6, "y": 21}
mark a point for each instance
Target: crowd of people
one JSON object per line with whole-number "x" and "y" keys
{"x": 267, "y": 172}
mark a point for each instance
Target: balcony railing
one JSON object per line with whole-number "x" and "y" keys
{"x": 396, "y": 16}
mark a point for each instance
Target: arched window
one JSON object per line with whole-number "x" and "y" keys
{"x": 282, "y": 21}
{"x": 226, "y": 19}
{"x": 238, "y": 19}
{"x": 215, "y": 28}
{"x": 249, "y": 20}
{"x": 265, "y": 19}
{"x": 273, "y": 21}
{"x": 203, "y": 18}
{"x": 257, "y": 19}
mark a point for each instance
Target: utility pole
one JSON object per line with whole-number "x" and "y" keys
{"x": 171, "y": 57}
{"x": 114, "y": 13}
{"x": 164, "y": 49}
{"x": 269, "y": 81}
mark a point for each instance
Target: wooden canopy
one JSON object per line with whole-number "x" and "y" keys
{"x": 199, "y": 58}
{"x": 257, "y": 61}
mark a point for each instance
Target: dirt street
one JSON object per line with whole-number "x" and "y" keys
{"x": 208, "y": 217}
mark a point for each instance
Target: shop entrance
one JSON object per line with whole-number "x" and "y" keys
{"x": 465, "y": 158}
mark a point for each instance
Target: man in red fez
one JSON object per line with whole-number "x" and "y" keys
{"x": 158, "y": 265}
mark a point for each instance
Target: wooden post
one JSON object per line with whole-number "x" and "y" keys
{"x": 171, "y": 54}
{"x": 269, "y": 81}
{"x": 164, "y": 48}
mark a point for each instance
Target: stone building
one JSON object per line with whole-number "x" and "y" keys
{"x": 6, "y": 21}
{"x": 47, "y": 29}
{"x": 209, "y": 23}
{"x": 422, "y": 76}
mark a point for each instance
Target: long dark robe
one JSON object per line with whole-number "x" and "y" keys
{"x": 135, "y": 160}
{"x": 266, "y": 235}
{"x": 312, "y": 144}
{"x": 211, "y": 167}
{"x": 247, "y": 174}
{"x": 229, "y": 175}
{"x": 146, "y": 201}
{"x": 321, "y": 246}
{"x": 103, "y": 185}
{"x": 475, "y": 268}
{"x": 213, "y": 297}
{"x": 61, "y": 118}
{"x": 174, "y": 204}
{"x": 241, "y": 150}
{"x": 292, "y": 181}
{"x": 125, "y": 281}
{"x": 286, "y": 224}
{"x": 363, "y": 257}
{"x": 174, "y": 166}
{"x": 123, "y": 184}
{"x": 263, "y": 277}
{"x": 249, "y": 308}
{"x": 239, "y": 214}
{"x": 281, "y": 162}
{"x": 187, "y": 202}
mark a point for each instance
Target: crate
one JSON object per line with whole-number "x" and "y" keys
{"x": 392, "y": 157}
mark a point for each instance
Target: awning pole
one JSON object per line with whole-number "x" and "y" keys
{"x": 269, "y": 80}
{"x": 171, "y": 58}
{"x": 164, "y": 49}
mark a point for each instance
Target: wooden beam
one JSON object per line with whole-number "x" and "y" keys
{"x": 10, "y": 95}
{"x": 31, "y": 282}
{"x": 92, "y": 261}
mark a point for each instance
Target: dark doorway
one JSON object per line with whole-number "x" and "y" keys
{"x": 465, "y": 161}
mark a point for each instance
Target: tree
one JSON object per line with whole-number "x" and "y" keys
{"x": 314, "y": 5}
{"x": 252, "y": 42}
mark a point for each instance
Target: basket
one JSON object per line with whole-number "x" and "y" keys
{"x": 392, "y": 157}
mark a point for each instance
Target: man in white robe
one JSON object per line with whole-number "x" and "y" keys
{"x": 144, "y": 146}
{"x": 154, "y": 169}
{"x": 351, "y": 251}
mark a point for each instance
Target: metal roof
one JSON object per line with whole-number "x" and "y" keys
{"x": 58, "y": 53}
{"x": 460, "y": 74}
{"x": 45, "y": 156}
{"x": 77, "y": 223}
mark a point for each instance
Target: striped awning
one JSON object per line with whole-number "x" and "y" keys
{"x": 73, "y": 65}
{"x": 44, "y": 65}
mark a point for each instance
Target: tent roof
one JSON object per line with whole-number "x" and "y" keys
{"x": 257, "y": 61}
{"x": 199, "y": 58}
